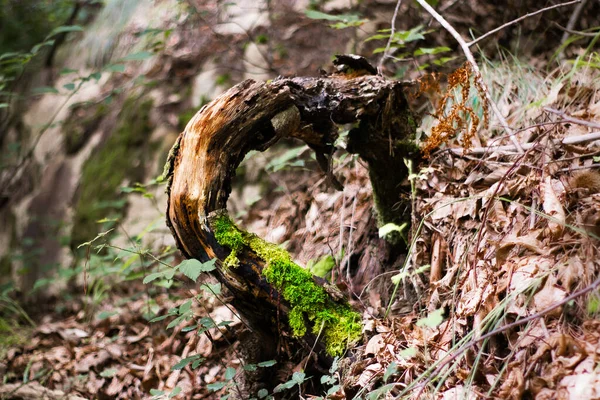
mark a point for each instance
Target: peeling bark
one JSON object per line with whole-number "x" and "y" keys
{"x": 253, "y": 116}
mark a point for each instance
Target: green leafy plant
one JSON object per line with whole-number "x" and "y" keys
{"x": 341, "y": 21}
{"x": 399, "y": 41}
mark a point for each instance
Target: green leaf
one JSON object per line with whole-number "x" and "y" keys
{"x": 44, "y": 89}
{"x": 176, "y": 390}
{"x": 323, "y": 266}
{"x": 312, "y": 14}
{"x": 96, "y": 76}
{"x": 327, "y": 380}
{"x": 185, "y": 307}
{"x": 108, "y": 373}
{"x": 177, "y": 321}
{"x": 189, "y": 328}
{"x": 69, "y": 86}
{"x": 156, "y": 392}
{"x": 216, "y": 386}
{"x": 170, "y": 273}
{"x": 390, "y": 370}
{"x": 152, "y": 277}
{"x": 344, "y": 25}
{"x": 593, "y": 305}
{"x": 411, "y": 35}
{"x": 193, "y": 268}
{"x": 3, "y": 105}
{"x": 229, "y": 373}
{"x": 409, "y": 352}
{"x": 67, "y": 71}
{"x": 284, "y": 160}
{"x": 211, "y": 288}
{"x": 378, "y": 37}
{"x": 250, "y": 367}
{"x": 160, "y": 318}
{"x": 333, "y": 389}
{"x": 434, "y": 319}
{"x": 115, "y": 68}
{"x": 184, "y": 362}
{"x": 391, "y": 227}
{"x": 284, "y": 386}
{"x": 197, "y": 362}
{"x": 38, "y": 46}
{"x": 266, "y": 364}
{"x": 298, "y": 377}
{"x": 431, "y": 51}
{"x": 377, "y": 394}
{"x": 262, "y": 393}
{"x": 140, "y": 56}
{"x": 443, "y": 60}
{"x": 65, "y": 29}
{"x": 207, "y": 322}
{"x": 106, "y": 314}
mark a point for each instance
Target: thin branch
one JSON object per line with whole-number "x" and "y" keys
{"x": 569, "y": 169}
{"x": 475, "y": 68}
{"x": 588, "y": 137}
{"x": 568, "y": 118}
{"x": 514, "y": 21}
{"x": 573, "y": 32}
{"x": 572, "y": 21}
{"x": 389, "y": 43}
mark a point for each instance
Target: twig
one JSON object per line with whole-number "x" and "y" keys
{"x": 574, "y": 120}
{"x": 510, "y": 148}
{"x": 389, "y": 43}
{"x": 569, "y": 169}
{"x": 573, "y": 32}
{"x": 475, "y": 68}
{"x": 572, "y": 21}
{"x": 514, "y": 21}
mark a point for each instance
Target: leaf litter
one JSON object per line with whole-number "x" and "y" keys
{"x": 498, "y": 238}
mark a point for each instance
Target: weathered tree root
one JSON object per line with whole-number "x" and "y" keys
{"x": 278, "y": 298}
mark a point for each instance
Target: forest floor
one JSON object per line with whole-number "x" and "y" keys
{"x": 497, "y": 296}
{"x": 503, "y": 256}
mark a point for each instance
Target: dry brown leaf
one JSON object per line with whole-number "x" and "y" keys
{"x": 458, "y": 393}
{"x": 375, "y": 344}
{"x": 552, "y": 191}
{"x": 92, "y": 360}
{"x": 550, "y": 295}
{"x": 367, "y": 375}
{"x": 581, "y": 385}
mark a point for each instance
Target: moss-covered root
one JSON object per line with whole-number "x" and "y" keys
{"x": 337, "y": 323}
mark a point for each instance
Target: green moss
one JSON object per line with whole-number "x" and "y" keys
{"x": 338, "y": 324}
{"x": 122, "y": 157}
{"x": 11, "y": 335}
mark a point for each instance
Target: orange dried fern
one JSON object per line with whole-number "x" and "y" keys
{"x": 454, "y": 119}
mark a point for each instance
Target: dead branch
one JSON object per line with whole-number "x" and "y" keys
{"x": 253, "y": 116}
{"x": 528, "y": 15}
{"x": 568, "y": 118}
{"x": 588, "y": 137}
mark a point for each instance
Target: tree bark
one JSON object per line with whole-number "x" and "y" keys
{"x": 253, "y": 116}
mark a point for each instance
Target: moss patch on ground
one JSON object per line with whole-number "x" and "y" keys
{"x": 122, "y": 157}
{"x": 337, "y": 323}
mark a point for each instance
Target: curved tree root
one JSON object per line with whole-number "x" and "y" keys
{"x": 266, "y": 284}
